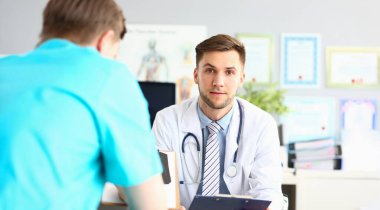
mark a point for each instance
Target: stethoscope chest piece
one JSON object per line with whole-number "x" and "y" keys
{"x": 231, "y": 171}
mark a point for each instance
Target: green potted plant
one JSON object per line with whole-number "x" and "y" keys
{"x": 268, "y": 98}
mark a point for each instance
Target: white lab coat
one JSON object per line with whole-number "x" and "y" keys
{"x": 258, "y": 160}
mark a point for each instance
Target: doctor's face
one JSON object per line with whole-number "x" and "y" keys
{"x": 219, "y": 74}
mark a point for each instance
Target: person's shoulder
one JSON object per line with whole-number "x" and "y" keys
{"x": 17, "y": 59}
{"x": 88, "y": 57}
{"x": 177, "y": 109}
{"x": 112, "y": 63}
{"x": 115, "y": 69}
{"x": 8, "y": 58}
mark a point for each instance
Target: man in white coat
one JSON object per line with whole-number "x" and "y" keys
{"x": 224, "y": 144}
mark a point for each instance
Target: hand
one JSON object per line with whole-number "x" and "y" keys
{"x": 182, "y": 208}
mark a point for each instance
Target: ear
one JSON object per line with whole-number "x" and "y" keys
{"x": 196, "y": 75}
{"x": 242, "y": 77}
{"x": 105, "y": 43}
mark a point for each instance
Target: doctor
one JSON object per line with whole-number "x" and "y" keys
{"x": 224, "y": 144}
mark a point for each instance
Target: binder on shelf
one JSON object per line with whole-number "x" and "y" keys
{"x": 311, "y": 144}
{"x": 317, "y": 164}
{"x": 319, "y": 153}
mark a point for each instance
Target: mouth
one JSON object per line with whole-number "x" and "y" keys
{"x": 217, "y": 93}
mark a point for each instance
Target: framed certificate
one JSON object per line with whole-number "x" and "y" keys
{"x": 259, "y": 57}
{"x": 309, "y": 118}
{"x": 300, "y": 60}
{"x": 352, "y": 67}
{"x": 358, "y": 114}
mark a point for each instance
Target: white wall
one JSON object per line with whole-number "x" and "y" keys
{"x": 340, "y": 23}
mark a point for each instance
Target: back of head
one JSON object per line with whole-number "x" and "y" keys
{"x": 220, "y": 42}
{"x": 81, "y": 21}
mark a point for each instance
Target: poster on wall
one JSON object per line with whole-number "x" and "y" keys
{"x": 353, "y": 67}
{"x": 300, "y": 55}
{"x": 259, "y": 57}
{"x": 309, "y": 118}
{"x": 163, "y": 53}
{"x": 358, "y": 114}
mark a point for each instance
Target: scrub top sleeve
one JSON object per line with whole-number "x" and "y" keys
{"x": 127, "y": 144}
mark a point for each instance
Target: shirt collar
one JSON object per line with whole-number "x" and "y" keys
{"x": 61, "y": 43}
{"x": 223, "y": 122}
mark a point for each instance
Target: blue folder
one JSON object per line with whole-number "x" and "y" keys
{"x": 227, "y": 203}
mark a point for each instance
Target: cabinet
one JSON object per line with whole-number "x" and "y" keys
{"x": 332, "y": 190}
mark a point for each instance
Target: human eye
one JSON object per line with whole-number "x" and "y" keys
{"x": 230, "y": 72}
{"x": 209, "y": 70}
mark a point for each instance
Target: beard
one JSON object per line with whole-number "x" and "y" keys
{"x": 213, "y": 105}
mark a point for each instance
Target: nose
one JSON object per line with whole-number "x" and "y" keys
{"x": 218, "y": 80}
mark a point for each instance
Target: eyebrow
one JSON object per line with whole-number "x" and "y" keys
{"x": 209, "y": 65}
{"x": 212, "y": 66}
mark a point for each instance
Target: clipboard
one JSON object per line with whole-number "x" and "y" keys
{"x": 227, "y": 203}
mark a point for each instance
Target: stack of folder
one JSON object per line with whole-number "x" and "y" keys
{"x": 319, "y": 154}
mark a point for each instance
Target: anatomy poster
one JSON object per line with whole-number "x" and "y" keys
{"x": 163, "y": 53}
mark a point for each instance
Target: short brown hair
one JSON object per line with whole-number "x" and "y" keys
{"x": 81, "y": 21}
{"x": 220, "y": 42}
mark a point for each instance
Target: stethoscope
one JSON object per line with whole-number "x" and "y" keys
{"x": 232, "y": 169}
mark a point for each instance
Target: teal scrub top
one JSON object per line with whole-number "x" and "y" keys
{"x": 70, "y": 120}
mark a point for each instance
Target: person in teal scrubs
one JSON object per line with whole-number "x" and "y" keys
{"x": 72, "y": 118}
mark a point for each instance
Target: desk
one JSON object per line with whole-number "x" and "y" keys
{"x": 332, "y": 190}
{"x": 326, "y": 190}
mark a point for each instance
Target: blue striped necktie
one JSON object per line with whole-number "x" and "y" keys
{"x": 212, "y": 162}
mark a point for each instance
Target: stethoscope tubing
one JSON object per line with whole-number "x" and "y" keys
{"x": 196, "y": 140}
{"x": 237, "y": 139}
